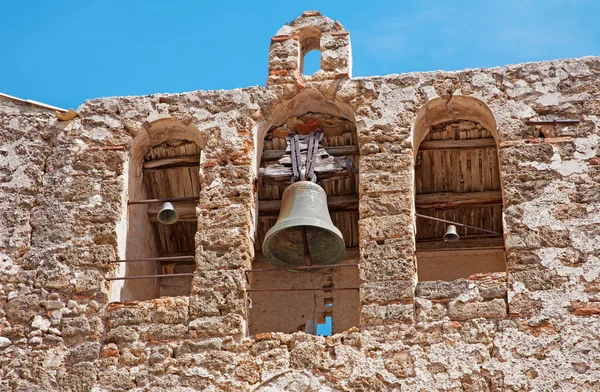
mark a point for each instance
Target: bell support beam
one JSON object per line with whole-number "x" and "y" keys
{"x": 338, "y": 151}
{"x": 170, "y": 163}
{"x": 449, "y": 200}
{"x": 451, "y": 144}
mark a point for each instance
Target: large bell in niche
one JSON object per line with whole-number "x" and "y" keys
{"x": 304, "y": 233}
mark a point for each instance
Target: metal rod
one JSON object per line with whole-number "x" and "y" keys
{"x": 456, "y": 223}
{"x": 150, "y": 276}
{"x": 321, "y": 289}
{"x": 447, "y": 249}
{"x": 179, "y": 258}
{"x": 302, "y": 267}
{"x": 547, "y": 122}
{"x": 153, "y": 201}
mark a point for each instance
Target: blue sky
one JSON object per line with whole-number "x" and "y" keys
{"x": 64, "y": 52}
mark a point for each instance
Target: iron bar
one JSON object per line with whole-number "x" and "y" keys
{"x": 301, "y": 267}
{"x": 553, "y": 122}
{"x": 170, "y": 199}
{"x": 178, "y": 258}
{"x": 447, "y": 249}
{"x": 150, "y": 276}
{"x": 457, "y": 224}
{"x": 318, "y": 289}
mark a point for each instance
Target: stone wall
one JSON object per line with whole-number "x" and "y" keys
{"x": 64, "y": 192}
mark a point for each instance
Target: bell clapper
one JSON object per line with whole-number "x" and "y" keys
{"x": 307, "y": 258}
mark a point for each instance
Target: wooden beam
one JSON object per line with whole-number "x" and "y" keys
{"x": 451, "y": 144}
{"x": 274, "y": 155}
{"x": 169, "y": 163}
{"x": 334, "y": 203}
{"x": 449, "y": 200}
{"x": 185, "y": 210}
{"x": 464, "y": 242}
{"x": 352, "y": 255}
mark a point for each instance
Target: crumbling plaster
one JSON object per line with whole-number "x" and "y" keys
{"x": 537, "y": 328}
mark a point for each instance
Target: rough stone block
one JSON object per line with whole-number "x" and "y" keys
{"x": 386, "y": 292}
{"x": 383, "y": 182}
{"x": 22, "y": 308}
{"x": 375, "y": 314}
{"x": 400, "y": 363}
{"x": 122, "y": 334}
{"x": 385, "y": 227}
{"x": 382, "y": 270}
{"x": 128, "y": 316}
{"x": 377, "y": 205}
{"x": 229, "y": 325}
{"x": 86, "y": 352}
{"x": 494, "y": 309}
{"x": 438, "y": 289}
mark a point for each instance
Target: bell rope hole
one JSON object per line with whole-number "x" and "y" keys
{"x": 164, "y": 163}
{"x": 310, "y": 309}
{"x": 457, "y": 178}
{"x": 311, "y": 62}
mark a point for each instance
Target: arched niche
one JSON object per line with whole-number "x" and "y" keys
{"x": 163, "y": 163}
{"x": 457, "y": 107}
{"x": 289, "y": 311}
{"x": 457, "y": 179}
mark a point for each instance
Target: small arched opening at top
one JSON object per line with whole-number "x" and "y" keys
{"x": 310, "y": 50}
{"x": 319, "y": 311}
{"x": 457, "y": 179}
{"x": 163, "y": 164}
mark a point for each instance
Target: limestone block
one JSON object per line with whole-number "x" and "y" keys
{"x": 22, "y": 308}
{"x": 40, "y": 323}
{"x": 384, "y": 292}
{"x": 128, "y": 316}
{"x": 375, "y": 314}
{"x": 164, "y": 332}
{"x": 494, "y": 309}
{"x": 377, "y": 205}
{"x": 377, "y": 183}
{"x": 229, "y": 325}
{"x": 386, "y": 227}
{"x": 219, "y": 280}
{"x": 400, "y": 363}
{"x": 441, "y": 290}
{"x": 85, "y": 352}
{"x": 387, "y": 270}
{"x": 122, "y": 333}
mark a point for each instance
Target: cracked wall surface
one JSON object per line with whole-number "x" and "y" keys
{"x": 63, "y": 187}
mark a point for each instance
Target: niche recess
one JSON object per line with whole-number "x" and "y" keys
{"x": 457, "y": 178}
{"x": 310, "y": 42}
{"x": 290, "y": 311}
{"x": 164, "y": 164}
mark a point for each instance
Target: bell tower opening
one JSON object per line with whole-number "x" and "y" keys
{"x": 163, "y": 191}
{"x": 287, "y": 292}
{"x": 458, "y": 197}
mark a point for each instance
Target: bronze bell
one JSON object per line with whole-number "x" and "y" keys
{"x": 167, "y": 215}
{"x": 304, "y": 233}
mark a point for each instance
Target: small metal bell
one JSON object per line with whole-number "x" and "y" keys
{"x": 451, "y": 235}
{"x": 167, "y": 215}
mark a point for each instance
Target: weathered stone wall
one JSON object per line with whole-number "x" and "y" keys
{"x": 64, "y": 191}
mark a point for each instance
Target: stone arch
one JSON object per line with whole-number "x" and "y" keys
{"x": 457, "y": 179}
{"x": 456, "y": 108}
{"x": 140, "y": 237}
{"x": 304, "y": 113}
